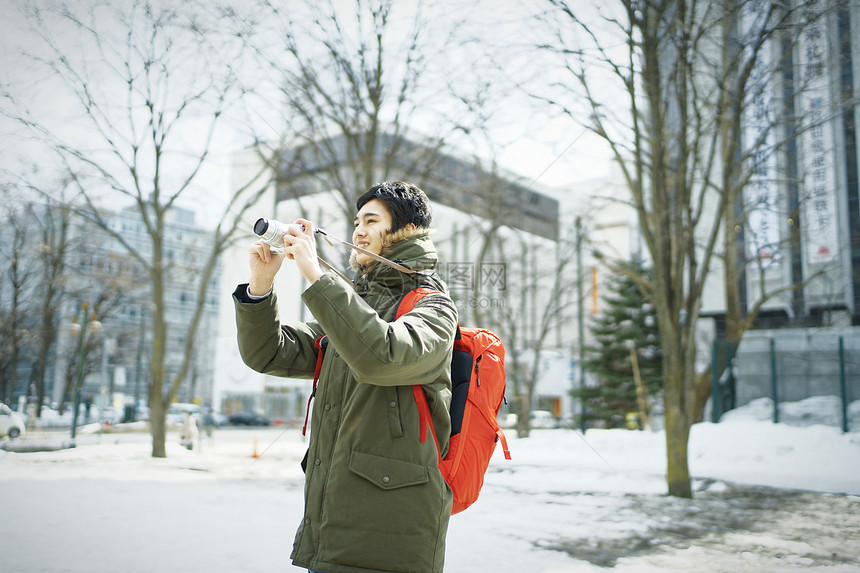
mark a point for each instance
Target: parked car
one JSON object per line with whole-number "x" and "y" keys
{"x": 51, "y": 418}
{"x": 11, "y": 423}
{"x": 508, "y": 421}
{"x": 542, "y": 419}
{"x": 249, "y": 419}
{"x": 142, "y": 414}
{"x": 216, "y": 419}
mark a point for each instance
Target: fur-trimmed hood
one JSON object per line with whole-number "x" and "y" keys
{"x": 389, "y": 243}
{"x": 411, "y": 248}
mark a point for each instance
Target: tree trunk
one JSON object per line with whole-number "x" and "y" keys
{"x": 523, "y": 413}
{"x": 677, "y": 432}
{"x": 157, "y": 402}
{"x": 703, "y": 392}
{"x": 44, "y": 347}
{"x": 157, "y": 406}
{"x": 158, "y": 423}
{"x": 677, "y": 469}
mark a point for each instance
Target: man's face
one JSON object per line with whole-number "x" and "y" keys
{"x": 371, "y": 224}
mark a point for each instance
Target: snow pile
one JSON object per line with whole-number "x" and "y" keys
{"x": 824, "y": 410}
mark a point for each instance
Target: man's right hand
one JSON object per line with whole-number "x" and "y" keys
{"x": 264, "y": 266}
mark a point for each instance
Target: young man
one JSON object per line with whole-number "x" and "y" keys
{"x": 374, "y": 497}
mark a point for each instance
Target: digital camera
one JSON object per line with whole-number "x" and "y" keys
{"x": 272, "y": 232}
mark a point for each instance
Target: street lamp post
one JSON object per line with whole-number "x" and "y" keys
{"x": 580, "y": 323}
{"x": 88, "y": 324}
{"x": 137, "y": 373}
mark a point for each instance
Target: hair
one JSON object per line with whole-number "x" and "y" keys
{"x": 406, "y": 202}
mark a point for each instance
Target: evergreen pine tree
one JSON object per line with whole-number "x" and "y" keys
{"x": 627, "y": 321}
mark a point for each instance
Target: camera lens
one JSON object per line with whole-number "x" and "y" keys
{"x": 261, "y": 226}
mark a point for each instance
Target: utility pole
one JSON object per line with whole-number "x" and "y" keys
{"x": 139, "y": 366}
{"x": 580, "y": 323}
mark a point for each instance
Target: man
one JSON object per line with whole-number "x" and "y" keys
{"x": 374, "y": 497}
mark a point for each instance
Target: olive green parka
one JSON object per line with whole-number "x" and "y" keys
{"x": 374, "y": 497}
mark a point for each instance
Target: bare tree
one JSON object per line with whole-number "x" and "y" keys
{"x": 19, "y": 281}
{"x": 101, "y": 282}
{"x": 53, "y": 232}
{"x": 355, "y": 81}
{"x": 681, "y": 73}
{"x": 538, "y": 301}
{"x": 149, "y": 86}
{"x": 42, "y": 233}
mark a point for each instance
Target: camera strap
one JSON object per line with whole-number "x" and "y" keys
{"x": 332, "y": 240}
{"x": 332, "y": 269}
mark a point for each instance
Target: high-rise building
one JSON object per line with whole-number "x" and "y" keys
{"x": 801, "y": 226}
{"x": 799, "y": 216}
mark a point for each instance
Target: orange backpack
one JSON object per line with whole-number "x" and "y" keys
{"x": 477, "y": 391}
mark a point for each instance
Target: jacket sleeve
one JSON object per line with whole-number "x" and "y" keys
{"x": 415, "y": 349}
{"x": 269, "y": 347}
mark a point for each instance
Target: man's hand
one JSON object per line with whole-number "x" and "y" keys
{"x": 300, "y": 245}
{"x": 264, "y": 266}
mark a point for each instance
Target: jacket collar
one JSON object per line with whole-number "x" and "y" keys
{"x": 411, "y": 248}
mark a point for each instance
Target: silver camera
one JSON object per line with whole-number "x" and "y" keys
{"x": 272, "y": 232}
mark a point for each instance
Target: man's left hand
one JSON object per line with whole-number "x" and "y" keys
{"x": 301, "y": 246}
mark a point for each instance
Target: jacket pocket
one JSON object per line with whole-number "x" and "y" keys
{"x": 387, "y": 473}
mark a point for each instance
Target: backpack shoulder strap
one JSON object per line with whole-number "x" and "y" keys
{"x": 320, "y": 345}
{"x": 424, "y": 418}
{"x": 411, "y": 298}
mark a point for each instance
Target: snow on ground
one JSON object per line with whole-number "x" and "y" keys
{"x": 566, "y": 503}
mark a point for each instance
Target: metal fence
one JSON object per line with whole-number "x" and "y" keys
{"x": 787, "y": 366}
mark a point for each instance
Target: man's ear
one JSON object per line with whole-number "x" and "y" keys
{"x": 408, "y": 226}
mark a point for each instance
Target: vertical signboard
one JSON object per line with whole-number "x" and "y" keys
{"x": 818, "y": 201}
{"x": 761, "y": 192}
